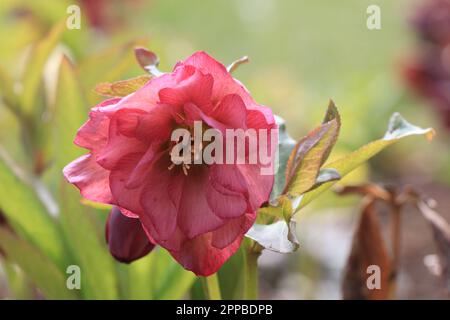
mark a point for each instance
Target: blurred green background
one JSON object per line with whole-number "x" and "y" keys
{"x": 302, "y": 54}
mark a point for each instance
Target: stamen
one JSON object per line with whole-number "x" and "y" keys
{"x": 181, "y": 117}
{"x": 171, "y": 166}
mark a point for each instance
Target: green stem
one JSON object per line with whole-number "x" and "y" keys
{"x": 251, "y": 275}
{"x": 212, "y": 287}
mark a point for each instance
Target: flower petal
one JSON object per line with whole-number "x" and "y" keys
{"x": 128, "y": 199}
{"x": 140, "y": 171}
{"x": 90, "y": 178}
{"x": 227, "y": 192}
{"x": 93, "y": 135}
{"x": 159, "y": 210}
{"x": 195, "y": 216}
{"x": 196, "y": 89}
{"x": 231, "y": 112}
{"x": 157, "y": 124}
{"x": 119, "y": 144}
{"x": 259, "y": 185}
{"x": 201, "y": 257}
{"x": 146, "y": 98}
{"x": 224, "y": 83}
{"x": 225, "y": 203}
{"x": 128, "y": 213}
{"x": 231, "y": 231}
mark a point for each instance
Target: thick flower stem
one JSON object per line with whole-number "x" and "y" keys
{"x": 251, "y": 275}
{"x": 212, "y": 287}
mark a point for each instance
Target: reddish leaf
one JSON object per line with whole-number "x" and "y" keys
{"x": 310, "y": 153}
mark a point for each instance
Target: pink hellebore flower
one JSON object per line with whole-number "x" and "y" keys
{"x": 199, "y": 213}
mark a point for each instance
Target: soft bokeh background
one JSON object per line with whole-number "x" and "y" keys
{"x": 302, "y": 53}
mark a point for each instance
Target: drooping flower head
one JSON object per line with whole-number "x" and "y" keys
{"x": 198, "y": 212}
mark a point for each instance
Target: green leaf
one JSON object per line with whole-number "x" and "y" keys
{"x": 310, "y": 153}
{"x": 18, "y": 283}
{"x": 285, "y": 146}
{"x": 27, "y": 214}
{"x": 279, "y": 236}
{"x": 99, "y": 279}
{"x": 122, "y": 88}
{"x": 46, "y": 275}
{"x": 231, "y": 276}
{"x": 398, "y": 128}
{"x": 326, "y": 175}
{"x": 70, "y": 112}
{"x": 198, "y": 291}
{"x": 172, "y": 281}
{"x": 272, "y": 233}
{"x": 83, "y": 237}
{"x": 140, "y": 278}
{"x": 281, "y": 208}
{"x": 96, "y": 205}
{"x": 34, "y": 68}
{"x": 7, "y": 91}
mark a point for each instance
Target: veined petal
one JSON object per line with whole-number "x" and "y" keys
{"x": 205, "y": 254}
{"x": 195, "y": 216}
{"x": 195, "y": 89}
{"x": 93, "y": 135}
{"x": 90, "y": 178}
{"x": 231, "y": 112}
{"x": 159, "y": 210}
{"x": 120, "y": 144}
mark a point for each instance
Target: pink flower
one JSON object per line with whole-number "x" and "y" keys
{"x": 427, "y": 73}
{"x": 199, "y": 213}
{"x": 432, "y": 21}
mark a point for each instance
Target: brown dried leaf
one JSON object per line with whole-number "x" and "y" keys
{"x": 441, "y": 232}
{"x": 368, "y": 249}
{"x": 235, "y": 64}
{"x": 371, "y": 189}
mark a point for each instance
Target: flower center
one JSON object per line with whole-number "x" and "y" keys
{"x": 188, "y": 149}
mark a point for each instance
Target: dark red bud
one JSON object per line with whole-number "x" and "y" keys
{"x": 146, "y": 58}
{"x": 126, "y": 238}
